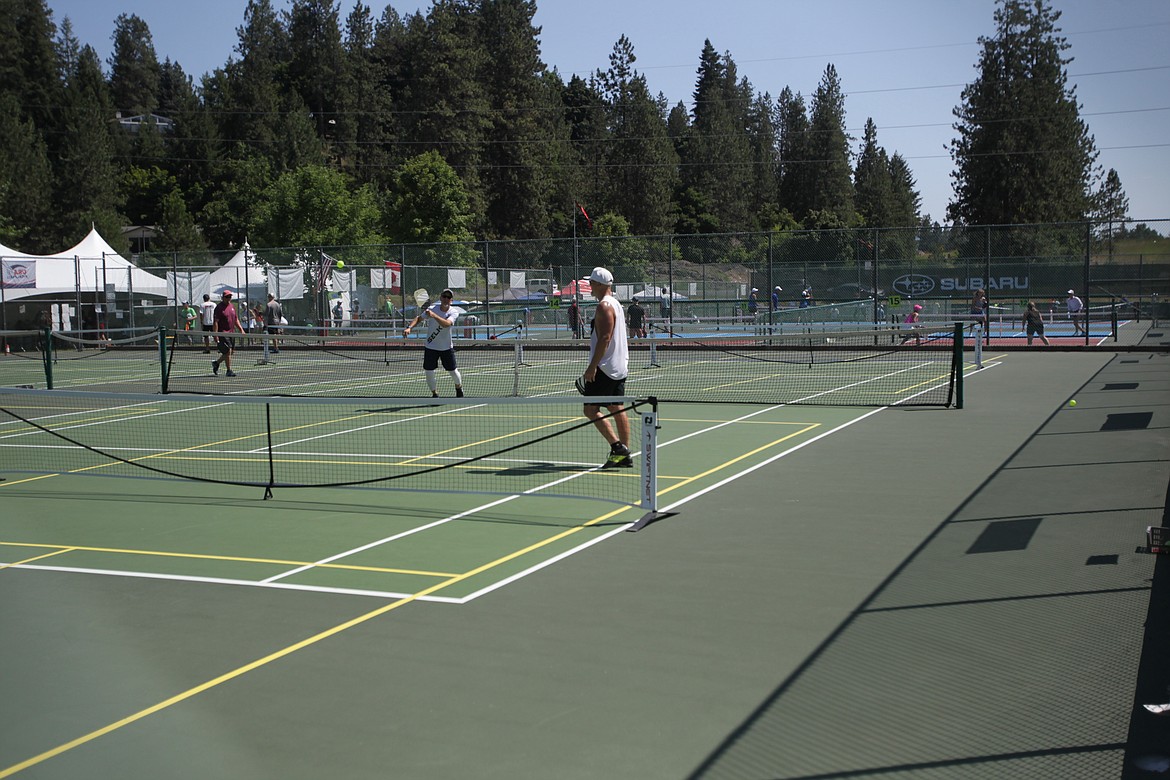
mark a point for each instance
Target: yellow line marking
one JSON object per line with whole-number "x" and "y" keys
{"x": 239, "y": 671}
{"x": 559, "y": 422}
{"x": 189, "y": 693}
{"x": 9, "y": 483}
{"x": 4, "y": 566}
{"x": 725, "y": 464}
{"x": 229, "y": 558}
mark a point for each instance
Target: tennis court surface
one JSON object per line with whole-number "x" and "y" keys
{"x": 830, "y": 591}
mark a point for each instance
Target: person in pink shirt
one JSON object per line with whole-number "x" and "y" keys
{"x": 226, "y": 322}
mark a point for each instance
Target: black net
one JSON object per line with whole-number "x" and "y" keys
{"x": 494, "y": 446}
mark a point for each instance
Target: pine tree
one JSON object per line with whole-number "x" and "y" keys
{"x": 134, "y": 70}
{"x": 831, "y": 184}
{"x": 1110, "y": 203}
{"x": 717, "y": 157}
{"x": 364, "y": 107}
{"x": 315, "y": 59}
{"x": 245, "y": 95}
{"x": 640, "y": 159}
{"x": 517, "y": 153}
{"x": 177, "y": 229}
{"x": 84, "y": 170}
{"x": 585, "y": 116}
{"x": 873, "y": 186}
{"x": 29, "y": 65}
{"x": 443, "y": 99}
{"x": 763, "y": 138}
{"x": 1022, "y": 155}
{"x": 25, "y": 177}
{"x": 794, "y": 176}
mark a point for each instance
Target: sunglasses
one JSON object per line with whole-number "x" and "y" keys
{"x": 446, "y": 297}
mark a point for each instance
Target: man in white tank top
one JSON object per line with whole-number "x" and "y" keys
{"x": 609, "y": 365}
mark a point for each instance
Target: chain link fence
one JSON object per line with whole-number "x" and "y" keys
{"x": 879, "y": 272}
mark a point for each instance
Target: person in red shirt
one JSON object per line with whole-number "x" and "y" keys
{"x": 226, "y": 322}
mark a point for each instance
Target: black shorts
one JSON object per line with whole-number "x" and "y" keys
{"x": 602, "y": 384}
{"x": 1035, "y": 328}
{"x": 225, "y": 344}
{"x": 208, "y": 328}
{"x": 431, "y": 358}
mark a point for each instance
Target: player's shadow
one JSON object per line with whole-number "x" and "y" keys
{"x": 534, "y": 470}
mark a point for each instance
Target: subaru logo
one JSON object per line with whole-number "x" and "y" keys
{"x": 913, "y": 284}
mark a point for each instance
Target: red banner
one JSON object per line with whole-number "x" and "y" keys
{"x": 395, "y": 280}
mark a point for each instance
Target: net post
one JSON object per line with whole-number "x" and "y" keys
{"x": 517, "y": 361}
{"x": 649, "y": 475}
{"x": 957, "y": 362}
{"x": 978, "y": 345}
{"x": 271, "y": 466}
{"x": 162, "y": 356}
{"x": 1113, "y": 319}
{"x": 654, "y": 354}
{"x": 47, "y": 355}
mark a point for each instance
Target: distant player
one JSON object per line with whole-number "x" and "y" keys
{"x": 636, "y": 319}
{"x": 1033, "y": 322}
{"x": 1075, "y": 306}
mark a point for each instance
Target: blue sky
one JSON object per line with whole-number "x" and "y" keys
{"x": 902, "y": 63}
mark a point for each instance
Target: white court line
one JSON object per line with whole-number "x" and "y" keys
{"x": 272, "y": 582}
{"x": 229, "y": 581}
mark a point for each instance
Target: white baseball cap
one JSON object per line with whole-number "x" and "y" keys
{"x": 1070, "y": 292}
{"x": 755, "y": 289}
{"x": 778, "y": 287}
{"x": 601, "y": 276}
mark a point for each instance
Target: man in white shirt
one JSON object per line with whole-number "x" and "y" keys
{"x": 609, "y": 365}
{"x": 207, "y": 320}
{"x": 1075, "y": 305}
{"x": 439, "y": 346}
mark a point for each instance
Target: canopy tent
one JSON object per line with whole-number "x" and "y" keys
{"x": 579, "y": 287}
{"x": 91, "y": 266}
{"x": 521, "y": 295}
{"x": 242, "y": 274}
{"x": 652, "y": 291}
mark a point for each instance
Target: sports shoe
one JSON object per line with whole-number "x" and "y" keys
{"x": 458, "y": 392}
{"x": 618, "y": 460}
{"x": 215, "y": 367}
{"x": 230, "y": 373}
{"x": 434, "y": 394}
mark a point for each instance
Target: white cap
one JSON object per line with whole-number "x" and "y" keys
{"x": 601, "y": 276}
{"x": 755, "y": 289}
{"x": 778, "y": 287}
{"x": 1070, "y": 292}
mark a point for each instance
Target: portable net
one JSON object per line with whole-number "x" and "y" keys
{"x": 871, "y": 367}
{"x": 540, "y": 447}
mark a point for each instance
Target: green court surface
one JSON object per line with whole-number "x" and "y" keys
{"x": 889, "y": 592}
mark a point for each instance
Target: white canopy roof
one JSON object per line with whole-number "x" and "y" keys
{"x": 89, "y": 267}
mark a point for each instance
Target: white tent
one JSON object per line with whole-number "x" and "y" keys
{"x": 240, "y": 272}
{"x": 90, "y": 267}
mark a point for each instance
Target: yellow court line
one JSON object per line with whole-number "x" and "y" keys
{"x": 239, "y": 671}
{"x": 4, "y": 566}
{"x": 748, "y": 454}
{"x": 741, "y": 382}
{"x": 8, "y": 483}
{"x": 489, "y": 441}
{"x": 228, "y": 558}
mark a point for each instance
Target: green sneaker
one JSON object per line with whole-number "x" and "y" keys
{"x": 618, "y": 460}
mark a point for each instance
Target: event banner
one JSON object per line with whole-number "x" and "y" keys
{"x": 18, "y": 273}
